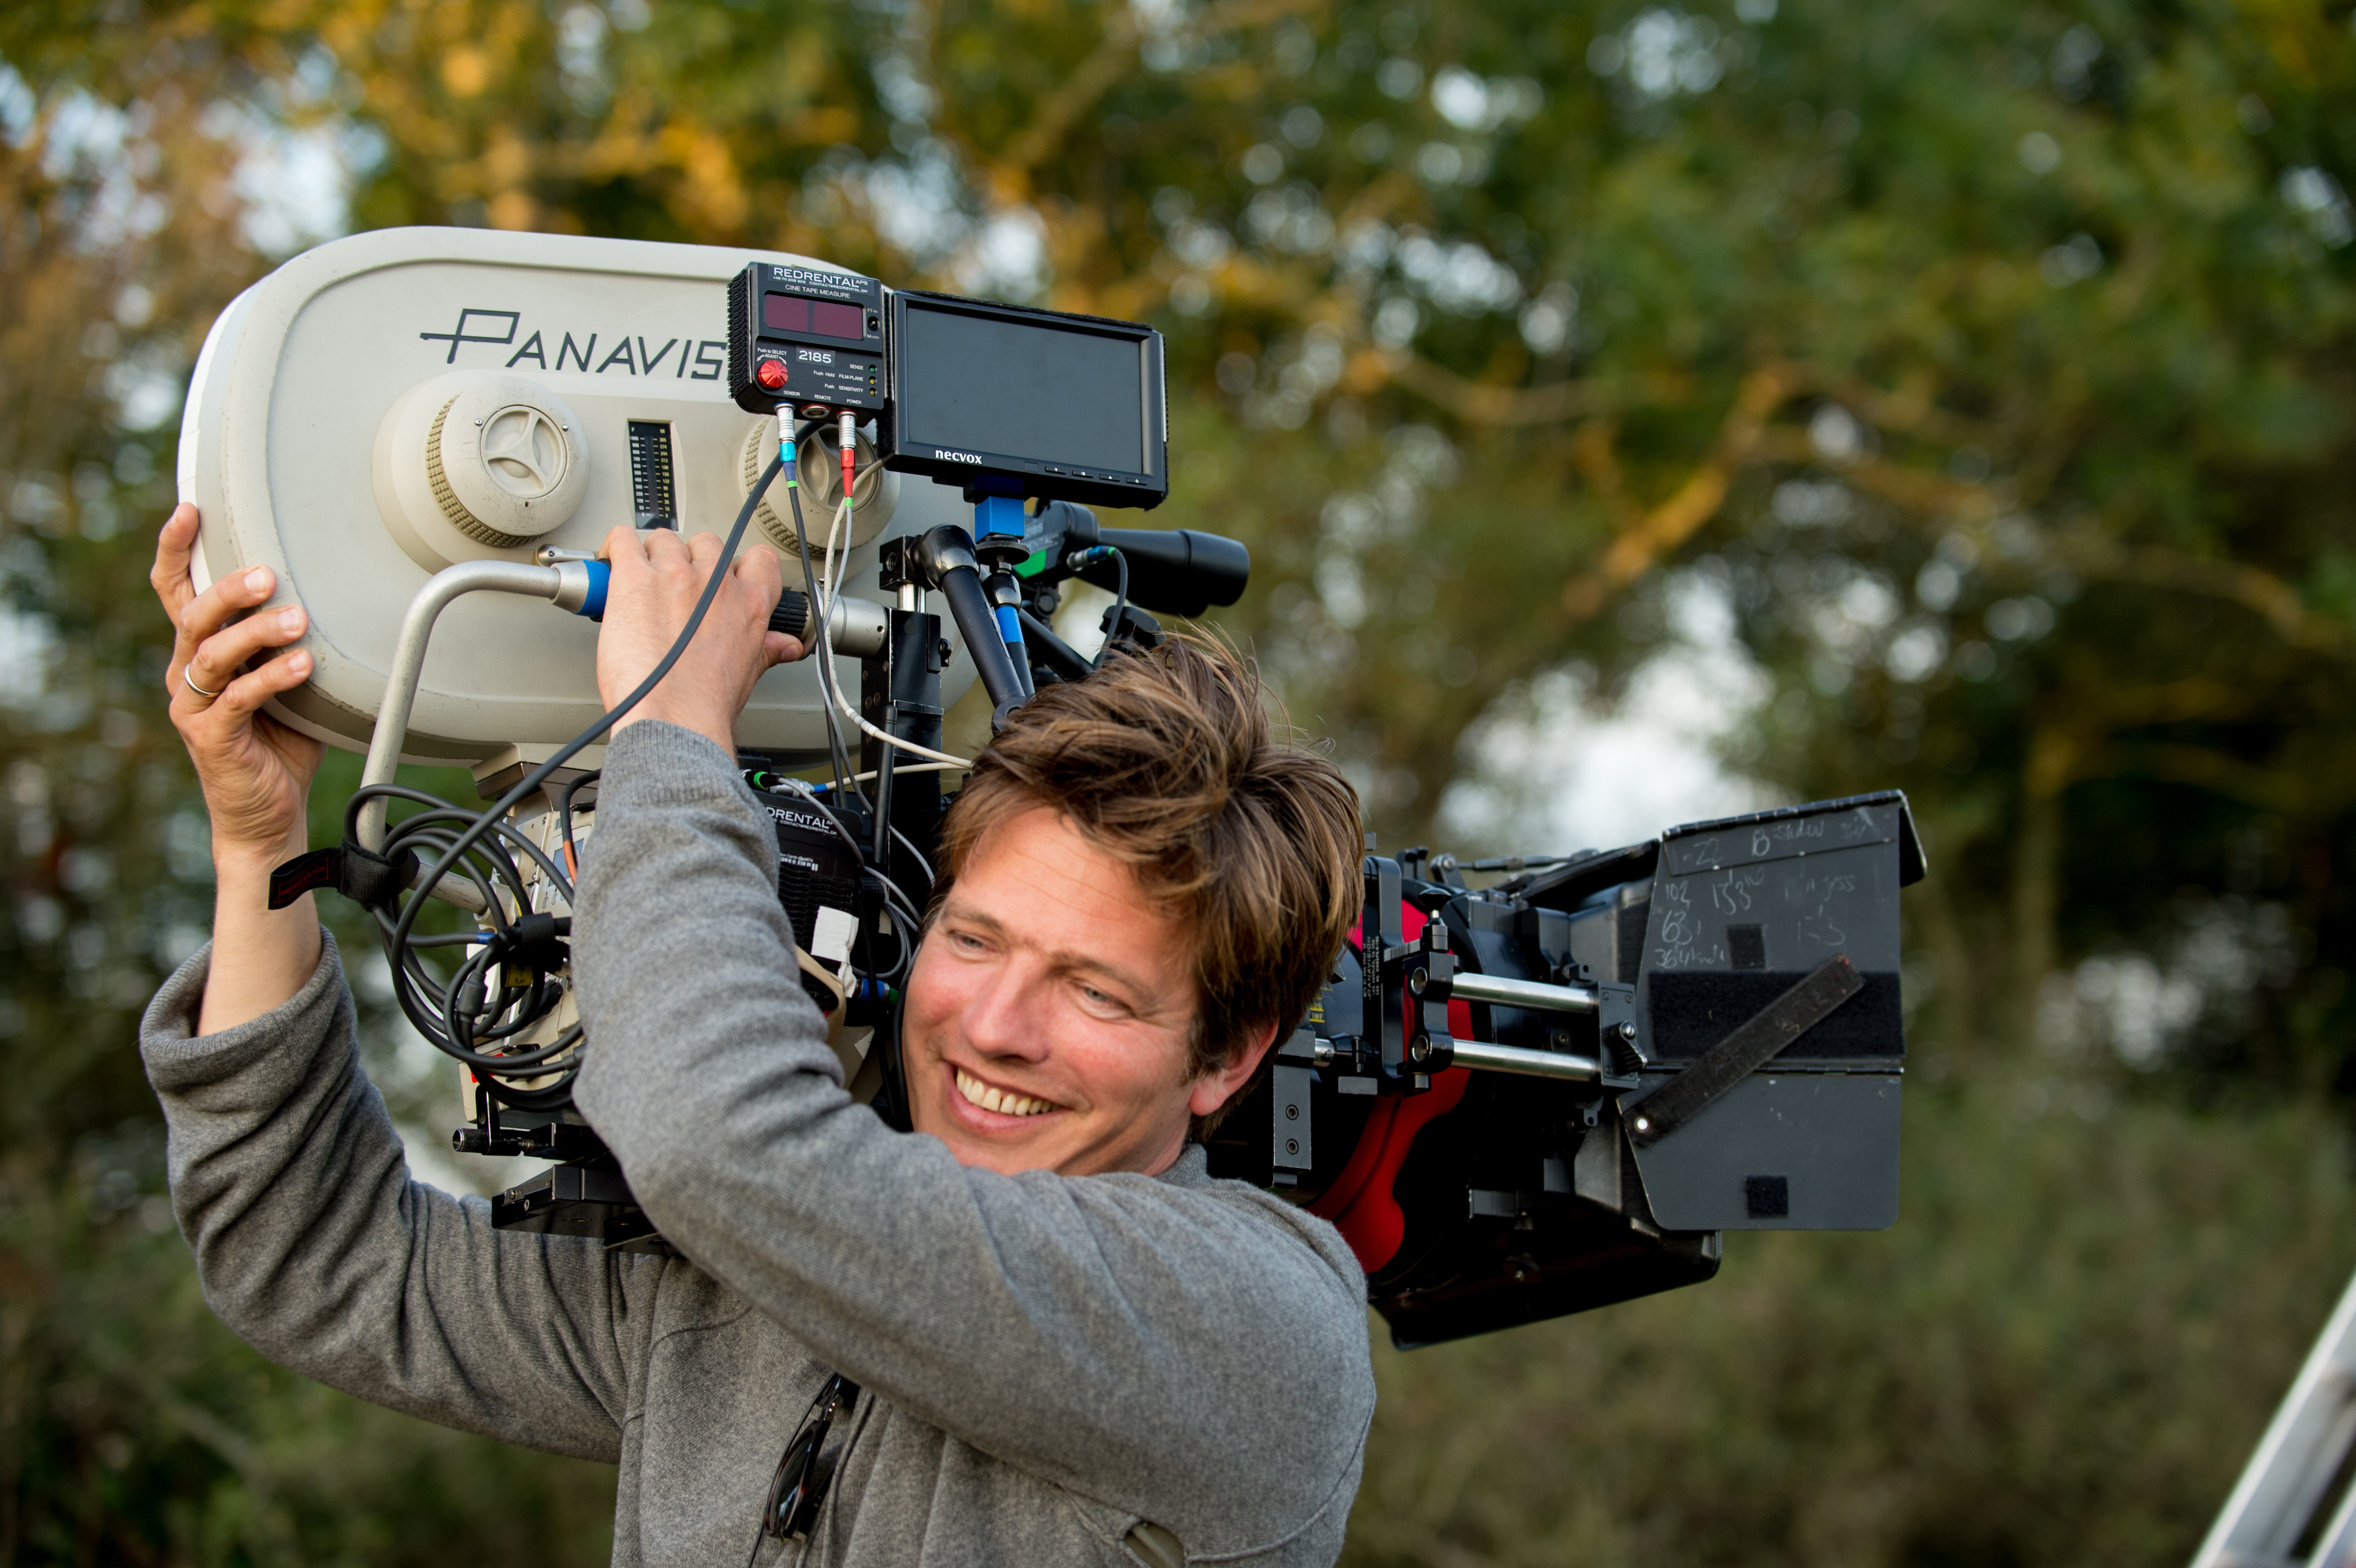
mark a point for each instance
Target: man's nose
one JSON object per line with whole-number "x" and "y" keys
{"x": 1007, "y": 1016}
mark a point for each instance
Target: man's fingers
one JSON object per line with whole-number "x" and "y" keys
{"x": 622, "y": 542}
{"x": 211, "y": 611}
{"x": 781, "y": 648}
{"x": 703, "y": 550}
{"x": 761, "y": 572}
{"x": 249, "y": 692}
{"x": 202, "y": 618}
{"x": 174, "y": 544}
{"x": 216, "y": 661}
{"x": 664, "y": 548}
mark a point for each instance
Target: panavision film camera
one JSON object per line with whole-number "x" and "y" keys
{"x": 1517, "y": 1100}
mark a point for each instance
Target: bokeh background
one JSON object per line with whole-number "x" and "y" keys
{"x": 1635, "y": 412}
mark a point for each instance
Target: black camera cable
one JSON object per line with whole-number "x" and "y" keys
{"x": 1119, "y": 607}
{"x": 493, "y": 821}
{"x": 509, "y": 941}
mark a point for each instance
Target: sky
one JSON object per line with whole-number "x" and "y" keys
{"x": 1555, "y": 768}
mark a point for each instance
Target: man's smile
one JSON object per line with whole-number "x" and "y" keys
{"x": 1003, "y": 1102}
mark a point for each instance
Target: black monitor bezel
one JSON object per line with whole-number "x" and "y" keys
{"x": 1143, "y": 489}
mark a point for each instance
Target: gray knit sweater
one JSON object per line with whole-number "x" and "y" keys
{"x": 1048, "y": 1361}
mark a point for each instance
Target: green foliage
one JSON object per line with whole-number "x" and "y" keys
{"x": 2061, "y": 1355}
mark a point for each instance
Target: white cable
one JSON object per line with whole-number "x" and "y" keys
{"x": 895, "y": 741}
{"x": 828, "y": 591}
{"x": 911, "y": 768}
{"x": 835, "y": 529}
{"x": 825, "y": 662}
{"x": 925, "y": 865}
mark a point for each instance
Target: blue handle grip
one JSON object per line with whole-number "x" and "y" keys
{"x": 601, "y": 574}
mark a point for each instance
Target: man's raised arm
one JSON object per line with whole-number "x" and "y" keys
{"x": 312, "y": 1242}
{"x": 288, "y": 1177}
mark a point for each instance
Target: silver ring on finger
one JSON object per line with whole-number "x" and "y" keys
{"x": 190, "y": 682}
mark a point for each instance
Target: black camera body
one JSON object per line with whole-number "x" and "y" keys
{"x": 1480, "y": 1198}
{"x": 1515, "y": 1101}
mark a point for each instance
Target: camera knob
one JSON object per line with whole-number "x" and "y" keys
{"x": 792, "y": 615}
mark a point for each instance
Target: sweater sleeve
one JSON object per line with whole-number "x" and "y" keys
{"x": 314, "y": 1245}
{"x": 1191, "y": 1350}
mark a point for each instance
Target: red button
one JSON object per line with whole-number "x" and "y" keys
{"x": 771, "y": 373}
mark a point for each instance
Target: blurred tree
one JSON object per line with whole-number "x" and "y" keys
{"x": 2059, "y": 1356}
{"x": 133, "y": 1426}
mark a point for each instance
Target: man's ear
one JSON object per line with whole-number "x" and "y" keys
{"x": 1213, "y": 1089}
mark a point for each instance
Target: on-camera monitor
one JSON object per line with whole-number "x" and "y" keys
{"x": 1071, "y": 404}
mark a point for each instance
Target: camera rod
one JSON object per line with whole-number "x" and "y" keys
{"x": 1436, "y": 1052}
{"x": 569, "y": 584}
{"x": 1498, "y": 990}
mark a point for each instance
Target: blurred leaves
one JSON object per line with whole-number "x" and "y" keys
{"x": 2061, "y": 1355}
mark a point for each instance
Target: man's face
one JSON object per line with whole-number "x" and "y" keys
{"x": 1048, "y": 1017}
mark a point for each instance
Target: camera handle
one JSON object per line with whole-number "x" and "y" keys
{"x": 943, "y": 560}
{"x": 999, "y": 527}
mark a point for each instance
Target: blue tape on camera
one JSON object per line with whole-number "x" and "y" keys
{"x": 601, "y": 574}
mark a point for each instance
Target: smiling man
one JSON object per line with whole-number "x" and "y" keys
{"x": 1051, "y": 1013}
{"x": 1142, "y": 888}
{"x": 1033, "y": 1331}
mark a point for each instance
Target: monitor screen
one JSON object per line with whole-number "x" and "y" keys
{"x": 821, "y": 318}
{"x": 1024, "y": 390}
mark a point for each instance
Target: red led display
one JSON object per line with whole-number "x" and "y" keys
{"x": 821, "y": 318}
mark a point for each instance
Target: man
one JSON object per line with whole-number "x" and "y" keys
{"x": 1073, "y": 1345}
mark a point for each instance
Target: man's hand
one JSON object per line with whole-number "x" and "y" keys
{"x": 657, "y": 577}
{"x": 256, "y": 772}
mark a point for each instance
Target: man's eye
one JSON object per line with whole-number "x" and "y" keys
{"x": 1102, "y": 1001}
{"x": 968, "y": 941}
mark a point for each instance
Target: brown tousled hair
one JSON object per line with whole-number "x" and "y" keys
{"x": 1168, "y": 759}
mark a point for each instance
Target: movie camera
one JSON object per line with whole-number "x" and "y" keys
{"x": 1517, "y": 1100}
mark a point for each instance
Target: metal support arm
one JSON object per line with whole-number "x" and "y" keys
{"x": 1498, "y": 991}
{"x": 1511, "y": 1059}
{"x": 569, "y": 584}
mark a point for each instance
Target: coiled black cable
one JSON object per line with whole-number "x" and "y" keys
{"x": 474, "y": 844}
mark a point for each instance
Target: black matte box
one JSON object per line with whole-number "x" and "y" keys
{"x": 1741, "y": 911}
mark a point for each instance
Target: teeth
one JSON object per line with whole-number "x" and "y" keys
{"x": 992, "y": 1099}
